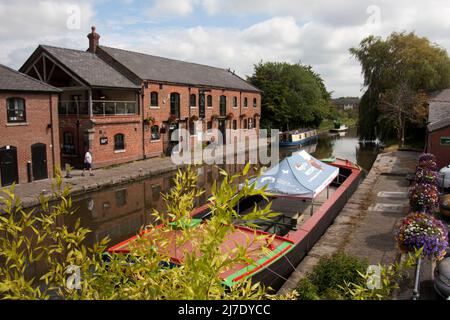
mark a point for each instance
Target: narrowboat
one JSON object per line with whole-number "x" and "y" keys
{"x": 306, "y": 193}
{"x": 338, "y": 127}
{"x": 299, "y": 137}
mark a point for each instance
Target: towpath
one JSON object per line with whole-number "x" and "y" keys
{"x": 365, "y": 227}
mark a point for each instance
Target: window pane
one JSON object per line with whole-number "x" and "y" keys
{"x": 154, "y": 99}
{"x": 16, "y": 110}
{"x": 193, "y": 100}
{"x": 119, "y": 142}
{"x": 155, "y": 132}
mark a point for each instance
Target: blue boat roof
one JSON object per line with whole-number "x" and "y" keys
{"x": 299, "y": 175}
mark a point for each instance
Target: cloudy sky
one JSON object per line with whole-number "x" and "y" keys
{"x": 232, "y": 34}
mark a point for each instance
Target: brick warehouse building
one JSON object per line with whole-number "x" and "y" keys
{"x": 438, "y": 129}
{"x": 29, "y": 139}
{"x": 125, "y": 105}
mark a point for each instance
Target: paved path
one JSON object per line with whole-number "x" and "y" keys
{"x": 365, "y": 227}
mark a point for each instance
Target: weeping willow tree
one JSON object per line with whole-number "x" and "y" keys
{"x": 403, "y": 62}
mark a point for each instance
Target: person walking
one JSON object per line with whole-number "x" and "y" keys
{"x": 88, "y": 162}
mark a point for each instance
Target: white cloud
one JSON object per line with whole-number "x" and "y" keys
{"x": 318, "y": 33}
{"x": 169, "y": 8}
{"x": 26, "y": 23}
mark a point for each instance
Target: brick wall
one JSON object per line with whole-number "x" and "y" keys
{"x": 442, "y": 152}
{"x": 34, "y": 130}
{"x": 161, "y": 112}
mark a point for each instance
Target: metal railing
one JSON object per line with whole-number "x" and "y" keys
{"x": 113, "y": 108}
{"x": 99, "y": 108}
{"x": 72, "y": 107}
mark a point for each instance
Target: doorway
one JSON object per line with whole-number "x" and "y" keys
{"x": 39, "y": 161}
{"x": 222, "y": 129}
{"x": 8, "y": 166}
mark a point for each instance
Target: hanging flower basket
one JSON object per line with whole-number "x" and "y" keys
{"x": 424, "y": 197}
{"x": 230, "y": 116}
{"x": 418, "y": 230}
{"x": 424, "y": 175}
{"x": 172, "y": 118}
{"x": 257, "y": 115}
{"x": 424, "y": 157}
{"x": 242, "y": 116}
{"x": 194, "y": 117}
{"x": 214, "y": 116}
{"x": 149, "y": 120}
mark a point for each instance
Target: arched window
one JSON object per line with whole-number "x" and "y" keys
{"x": 154, "y": 99}
{"x": 223, "y": 105}
{"x": 250, "y": 123}
{"x": 245, "y": 102}
{"x": 209, "y": 125}
{"x": 193, "y": 100}
{"x": 209, "y": 101}
{"x": 155, "y": 132}
{"x": 119, "y": 142}
{"x": 245, "y": 123}
{"x": 192, "y": 127}
{"x": 175, "y": 104}
{"x": 254, "y": 103}
{"x": 234, "y": 124}
{"x": 16, "y": 110}
{"x": 235, "y": 100}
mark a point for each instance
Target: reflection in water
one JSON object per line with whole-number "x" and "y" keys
{"x": 119, "y": 212}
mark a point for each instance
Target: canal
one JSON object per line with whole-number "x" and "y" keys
{"x": 119, "y": 212}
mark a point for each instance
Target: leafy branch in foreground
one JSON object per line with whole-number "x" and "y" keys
{"x": 35, "y": 238}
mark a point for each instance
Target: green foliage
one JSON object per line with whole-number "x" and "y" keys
{"x": 341, "y": 276}
{"x": 403, "y": 59}
{"x": 390, "y": 276}
{"x": 293, "y": 95}
{"x": 307, "y": 290}
{"x": 36, "y": 237}
{"x": 331, "y": 271}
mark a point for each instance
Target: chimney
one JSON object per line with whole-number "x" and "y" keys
{"x": 93, "y": 40}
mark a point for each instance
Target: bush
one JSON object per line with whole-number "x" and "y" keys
{"x": 334, "y": 270}
{"x": 307, "y": 290}
{"x": 329, "y": 275}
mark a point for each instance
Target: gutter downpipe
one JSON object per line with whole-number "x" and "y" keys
{"x": 52, "y": 135}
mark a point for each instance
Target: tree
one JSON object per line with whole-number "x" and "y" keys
{"x": 30, "y": 237}
{"x": 293, "y": 95}
{"x": 403, "y": 58}
{"x": 400, "y": 106}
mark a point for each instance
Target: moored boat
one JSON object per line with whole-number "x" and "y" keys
{"x": 307, "y": 193}
{"x": 338, "y": 127}
{"x": 298, "y": 137}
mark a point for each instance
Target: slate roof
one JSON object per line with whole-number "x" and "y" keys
{"x": 148, "y": 67}
{"x": 12, "y": 80}
{"x": 439, "y": 106}
{"x": 89, "y": 67}
{"x": 439, "y": 124}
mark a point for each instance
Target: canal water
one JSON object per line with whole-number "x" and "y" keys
{"x": 119, "y": 212}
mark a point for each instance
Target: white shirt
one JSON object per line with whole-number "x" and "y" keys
{"x": 88, "y": 157}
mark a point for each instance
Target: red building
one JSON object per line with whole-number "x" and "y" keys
{"x": 125, "y": 105}
{"x": 29, "y": 139}
{"x": 438, "y": 129}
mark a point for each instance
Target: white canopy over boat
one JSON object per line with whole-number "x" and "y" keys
{"x": 298, "y": 175}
